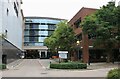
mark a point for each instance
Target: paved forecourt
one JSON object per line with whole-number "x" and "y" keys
{"x": 40, "y": 68}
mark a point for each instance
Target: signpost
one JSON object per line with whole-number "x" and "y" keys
{"x": 63, "y": 55}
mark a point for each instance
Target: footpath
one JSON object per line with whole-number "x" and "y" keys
{"x": 103, "y": 65}
{"x": 14, "y": 64}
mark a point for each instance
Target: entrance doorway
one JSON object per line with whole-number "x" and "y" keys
{"x": 42, "y": 54}
{"x": 31, "y": 54}
{"x": 4, "y": 59}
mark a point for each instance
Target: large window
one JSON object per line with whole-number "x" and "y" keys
{"x": 26, "y": 33}
{"x": 50, "y": 32}
{"x": 39, "y": 44}
{"x": 33, "y": 33}
{"x": 43, "y": 33}
{"x": 33, "y": 44}
{"x": 33, "y": 39}
{"x": 26, "y": 39}
{"x": 41, "y": 39}
{"x": 43, "y": 26}
{"x": 51, "y": 27}
{"x": 27, "y": 26}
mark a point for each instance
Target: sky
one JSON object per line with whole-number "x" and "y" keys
{"x": 64, "y": 9}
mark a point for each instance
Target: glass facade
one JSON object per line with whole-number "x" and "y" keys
{"x": 37, "y": 29}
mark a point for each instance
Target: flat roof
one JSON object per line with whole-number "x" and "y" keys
{"x": 36, "y": 17}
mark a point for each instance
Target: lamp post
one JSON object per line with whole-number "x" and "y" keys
{"x": 78, "y": 42}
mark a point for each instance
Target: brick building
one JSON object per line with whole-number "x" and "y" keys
{"x": 75, "y": 24}
{"x": 86, "y": 49}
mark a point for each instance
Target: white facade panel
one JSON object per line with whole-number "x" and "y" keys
{"x": 119, "y": 3}
{"x": 12, "y": 24}
{"x": 0, "y": 16}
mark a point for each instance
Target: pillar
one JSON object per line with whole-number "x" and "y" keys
{"x": 40, "y": 53}
{"x": 45, "y": 53}
{"x": 85, "y": 50}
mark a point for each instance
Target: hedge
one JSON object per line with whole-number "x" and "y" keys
{"x": 114, "y": 74}
{"x": 2, "y": 66}
{"x": 68, "y": 66}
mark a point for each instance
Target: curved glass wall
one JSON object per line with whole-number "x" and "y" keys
{"x": 36, "y": 30}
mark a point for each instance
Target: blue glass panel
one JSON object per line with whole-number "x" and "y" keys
{"x": 41, "y": 39}
{"x": 43, "y": 26}
{"x": 43, "y": 33}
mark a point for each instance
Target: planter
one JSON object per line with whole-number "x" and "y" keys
{"x": 54, "y": 57}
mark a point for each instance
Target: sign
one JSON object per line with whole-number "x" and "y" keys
{"x": 63, "y": 54}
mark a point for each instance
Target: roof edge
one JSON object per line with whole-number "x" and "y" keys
{"x": 37, "y": 17}
{"x": 81, "y": 10}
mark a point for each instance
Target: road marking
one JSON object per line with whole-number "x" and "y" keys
{"x": 41, "y": 65}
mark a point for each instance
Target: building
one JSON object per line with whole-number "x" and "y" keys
{"x": 35, "y": 31}
{"x": 11, "y": 23}
{"x": 85, "y": 42}
{"x": 82, "y": 39}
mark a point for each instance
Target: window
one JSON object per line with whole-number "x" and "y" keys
{"x": 26, "y": 39}
{"x": 91, "y": 36}
{"x": 26, "y": 33}
{"x": 27, "y": 26}
{"x": 50, "y": 33}
{"x": 77, "y": 23}
{"x": 15, "y": 8}
{"x": 33, "y": 39}
{"x": 6, "y": 32}
{"x": 41, "y": 39}
{"x": 7, "y": 11}
{"x": 33, "y": 33}
{"x": 43, "y": 33}
{"x": 51, "y": 27}
{"x": 43, "y": 26}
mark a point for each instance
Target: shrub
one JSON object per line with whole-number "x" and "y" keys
{"x": 114, "y": 74}
{"x": 68, "y": 66}
{"x": 2, "y": 66}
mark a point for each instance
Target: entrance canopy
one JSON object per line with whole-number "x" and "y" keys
{"x": 35, "y": 48}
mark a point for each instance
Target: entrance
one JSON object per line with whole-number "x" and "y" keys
{"x": 42, "y": 54}
{"x": 32, "y": 54}
{"x": 4, "y": 59}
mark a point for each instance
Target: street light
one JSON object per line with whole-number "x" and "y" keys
{"x": 78, "y": 42}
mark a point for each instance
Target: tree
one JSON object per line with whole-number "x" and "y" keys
{"x": 62, "y": 38}
{"x": 103, "y": 27}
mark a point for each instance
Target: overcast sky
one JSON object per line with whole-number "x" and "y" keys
{"x": 64, "y": 9}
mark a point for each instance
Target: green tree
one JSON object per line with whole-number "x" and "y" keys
{"x": 62, "y": 38}
{"x": 103, "y": 27}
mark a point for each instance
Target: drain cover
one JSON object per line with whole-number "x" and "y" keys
{"x": 43, "y": 73}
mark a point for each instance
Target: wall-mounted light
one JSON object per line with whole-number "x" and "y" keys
{"x": 78, "y": 42}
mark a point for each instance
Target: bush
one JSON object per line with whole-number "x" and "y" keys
{"x": 2, "y": 66}
{"x": 114, "y": 74}
{"x": 68, "y": 66}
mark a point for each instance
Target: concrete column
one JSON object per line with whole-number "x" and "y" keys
{"x": 45, "y": 53}
{"x": 40, "y": 53}
{"x": 85, "y": 49}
